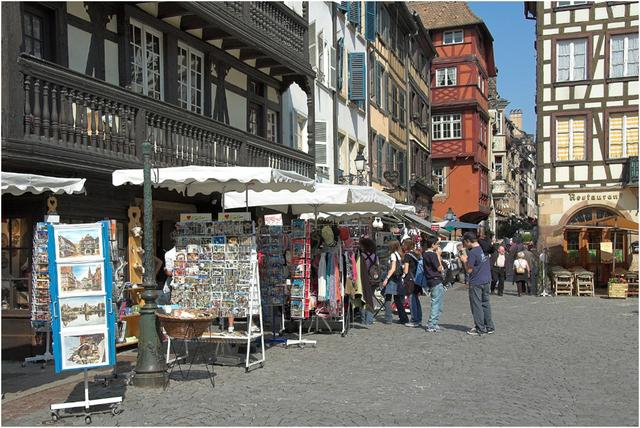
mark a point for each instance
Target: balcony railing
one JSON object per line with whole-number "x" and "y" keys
{"x": 70, "y": 111}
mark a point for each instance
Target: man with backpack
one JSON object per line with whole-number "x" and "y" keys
{"x": 412, "y": 287}
{"x": 433, "y": 269}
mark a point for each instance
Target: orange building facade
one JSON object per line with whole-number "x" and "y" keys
{"x": 460, "y": 109}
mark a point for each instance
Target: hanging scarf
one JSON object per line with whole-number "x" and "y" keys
{"x": 322, "y": 278}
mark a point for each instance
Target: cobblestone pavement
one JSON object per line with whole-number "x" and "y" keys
{"x": 552, "y": 361}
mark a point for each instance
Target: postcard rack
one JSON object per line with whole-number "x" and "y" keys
{"x": 300, "y": 277}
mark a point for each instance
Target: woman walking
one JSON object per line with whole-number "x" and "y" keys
{"x": 521, "y": 273}
{"x": 369, "y": 274}
{"x": 410, "y": 266}
{"x": 393, "y": 288}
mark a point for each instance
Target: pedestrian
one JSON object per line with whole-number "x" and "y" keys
{"x": 487, "y": 243}
{"x": 433, "y": 271}
{"x": 393, "y": 288}
{"x": 409, "y": 269}
{"x": 515, "y": 247}
{"x": 462, "y": 254}
{"x": 532, "y": 259}
{"x": 498, "y": 270}
{"x": 521, "y": 273}
{"x": 478, "y": 266}
{"x": 370, "y": 277}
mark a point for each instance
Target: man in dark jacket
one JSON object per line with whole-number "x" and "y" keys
{"x": 487, "y": 243}
{"x": 532, "y": 260}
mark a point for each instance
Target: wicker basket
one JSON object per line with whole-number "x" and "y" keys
{"x": 184, "y": 328}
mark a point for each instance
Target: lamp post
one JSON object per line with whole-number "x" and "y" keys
{"x": 361, "y": 164}
{"x": 150, "y": 366}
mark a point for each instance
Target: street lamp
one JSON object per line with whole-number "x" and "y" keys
{"x": 150, "y": 365}
{"x": 361, "y": 164}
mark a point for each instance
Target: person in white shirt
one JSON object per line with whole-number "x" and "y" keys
{"x": 498, "y": 270}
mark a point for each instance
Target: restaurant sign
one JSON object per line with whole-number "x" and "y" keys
{"x": 594, "y": 197}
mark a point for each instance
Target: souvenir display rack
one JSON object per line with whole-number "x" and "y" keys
{"x": 40, "y": 297}
{"x": 300, "y": 277}
{"x": 273, "y": 241}
{"x": 216, "y": 271}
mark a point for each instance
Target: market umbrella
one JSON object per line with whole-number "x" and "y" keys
{"x": 192, "y": 180}
{"x": 454, "y": 224}
{"x": 18, "y": 184}
{"x": 327, "y": 198}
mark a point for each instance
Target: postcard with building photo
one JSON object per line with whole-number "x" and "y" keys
{"x": 82, "y": 311}
{"x": 79, "y": 279}
{"x": 78, "y": 242}
{"x": 83, "y": 350}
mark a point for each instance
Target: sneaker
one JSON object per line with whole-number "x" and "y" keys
{"x": 411, "y": 324}
{"x": 474, "y": 332}
{"x": 491, "y": 331}
{"x": 432, "y": 330}
{"x": 438, "y": 329}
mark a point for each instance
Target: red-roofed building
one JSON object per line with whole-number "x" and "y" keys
{"x": 460, "y": 110}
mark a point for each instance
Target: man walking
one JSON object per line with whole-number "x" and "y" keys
{"x": 532, "y": 260}
{"x": 433, "y": 276}
{"x": 478, "y": 266}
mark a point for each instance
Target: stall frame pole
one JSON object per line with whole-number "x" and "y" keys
{"x": 87, "y": 403}
{"x": 300, "y": 341}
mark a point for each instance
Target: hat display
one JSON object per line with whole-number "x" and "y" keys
{"x": 328, "y": 236}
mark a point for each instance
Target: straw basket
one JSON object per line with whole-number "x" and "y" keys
{"x": 184, "y": 328}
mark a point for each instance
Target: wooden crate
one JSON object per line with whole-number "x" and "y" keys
{"x": 618, "y": 290}
{"x": 562, "y": 281}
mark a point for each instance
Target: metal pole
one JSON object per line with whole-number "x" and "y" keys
{"x": 150, "y": 365}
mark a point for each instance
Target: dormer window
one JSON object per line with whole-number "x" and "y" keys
{"x": 453, "y": 37}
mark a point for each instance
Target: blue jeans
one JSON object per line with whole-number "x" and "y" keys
{"x": 437, "y": 298}
{"x": 367, "y": 316}
{"x": 416, "y": 308}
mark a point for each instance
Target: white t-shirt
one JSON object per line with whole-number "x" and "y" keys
{"x": 500, "y": 260}
{"x": 169, "y": 259}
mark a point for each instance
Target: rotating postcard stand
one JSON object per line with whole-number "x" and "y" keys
{"x": 301, "y": 277}
{"x": 82, "y": 315}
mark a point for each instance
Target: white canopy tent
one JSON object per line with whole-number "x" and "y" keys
{"x": 326, "y": 198}
{"x": 18, "y": 184}
{"x": 192, "y": 180}
{"x": 399, "y": 209}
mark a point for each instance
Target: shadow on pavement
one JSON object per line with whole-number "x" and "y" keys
{"x": 454, "y": 327}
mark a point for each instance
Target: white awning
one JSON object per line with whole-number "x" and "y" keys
{"x": 18, "y": 184}
{"x": 192, "y": 180}
{"x": 402, "y": 208}
{"x": 326, "y": 198}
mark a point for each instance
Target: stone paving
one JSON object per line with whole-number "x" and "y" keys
{"x": 552, "y": 361}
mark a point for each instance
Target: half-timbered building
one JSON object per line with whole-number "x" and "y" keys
{"x": 587, "y": 131}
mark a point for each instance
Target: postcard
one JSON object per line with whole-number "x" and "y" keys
{"x": 84, "y": 350}
{"x": 82, "y": 311}
{"x": 78, "y": 242}
{"x": 86, "y": 278}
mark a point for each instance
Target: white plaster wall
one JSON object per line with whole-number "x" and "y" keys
{"x": 581, "y": 172}
{"x": 633, "y": 87}
{"x": 296, "y": 6}
{"x": 237, "y": 78}
{"x": 79, "y": 42}
{"x": 581, "y": 15}
{"x": 294, "y": 99}
{"x": 615, "y": 89}
{"x": 111, "y": 72}
{"x": 237, "y": 106}
{"x": 616, "y": 171}
{"x": 546, "y": 156}
{"x": 76, "y": 8}
{"x": 599, "y": 173}
{"x": 563, "y": 17}
{"x": 562, "y": 173}
{"x": 546, "y": 48}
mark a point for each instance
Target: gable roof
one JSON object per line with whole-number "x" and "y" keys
{"x": 447, "y": 14}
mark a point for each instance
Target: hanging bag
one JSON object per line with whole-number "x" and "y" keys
{"x": 409, "y": 280}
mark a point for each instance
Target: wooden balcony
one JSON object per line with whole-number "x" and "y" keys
{"x": 72, "y": 119}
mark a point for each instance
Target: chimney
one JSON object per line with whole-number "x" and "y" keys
{"x": 516, "y": 117}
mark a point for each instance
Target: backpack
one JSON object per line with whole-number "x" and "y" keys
{"x": 397, "y": 274}
{"x": 410, "y": 280}
{"x": 519, "y": 266}
{"x": 373, "y": 271}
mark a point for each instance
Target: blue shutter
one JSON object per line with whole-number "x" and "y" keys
{"x": 379, "y": 155}
{"x": 377, "y": 83}
{"x": 344, "y": 6}
{"x": 354, "y": 12}
{"x": 371, "y": 19}
{"x": 339, "y": 57}
{"x": 357, "y": 76}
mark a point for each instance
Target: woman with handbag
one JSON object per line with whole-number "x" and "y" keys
{"x": 521, "y": 273}
{"x": 393, "y": 288}
{"x": 410, "y": 266}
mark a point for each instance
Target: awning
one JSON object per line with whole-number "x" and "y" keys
{"x": 192, "y": 180}
{"x": 18, "y": 184}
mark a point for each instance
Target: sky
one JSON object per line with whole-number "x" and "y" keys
{"x": 513, "y": 38}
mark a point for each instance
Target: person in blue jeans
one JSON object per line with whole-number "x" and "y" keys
{"x": 433, "y": 275}
{"x": 478, "y": 266}
{"x": 409, "y": 268}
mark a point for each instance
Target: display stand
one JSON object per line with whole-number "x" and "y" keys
{"x": 87, "y": 403}
{"x": 47, "y": 356}
{"x": 274, "y": 333}
{"x": 300, "y": 341}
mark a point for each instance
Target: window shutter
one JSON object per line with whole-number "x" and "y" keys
{"x": 344, "y": 6}
{"x": 354, "y": 12}
{"x": 377, "y": 83}
{"x": 293, "y": 130}
{"x": 332, "y": 68}
{"x": 313, "y": 54}
{"x": 386, "y": 93}
{"x": 357, "y": 76}
{"x": 321, "y": 143}
{"x": 371, "y": 19}
{"x": 340, "y": 63}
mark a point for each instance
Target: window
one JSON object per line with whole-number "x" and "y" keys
{"x": 570, "y": 3}
{"x": 403, "y": 109}
{"x": 453, "y": 37}
{"x": 272, "y": 126}
{"x": 446, "y": 76}
{"x": 255, "y": 119}
{"x": 190, "y": 70}
{"x": 16, "y": 268}
{"x": 497, "y": 167}
{"x": 499, "y": 118}
{"x": 379, "y": 152}
{"x": 623, "y": 135}
{"x": 146, "y": 60}
{"x": 401, "y": 168}
{"x": 439, "y": 178}
{"x": 394, "y": 100}
{"x": 481, "y": 83}
{"x": 323, "y": 63}
{"x": 447, "y": 126}
{"x": 570, "y": 138}
{"x": 624, "y": 55}
{"x": 33, "y": 34}
{"x": 571, "y": 60}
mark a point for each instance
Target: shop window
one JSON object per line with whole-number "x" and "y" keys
{"x": 623, "y": 135}
{"x": 573, "y": 246}
{"x": 594, "y": 246}
{"x": 146, "y": 60}
{"x": 16, "y": 263}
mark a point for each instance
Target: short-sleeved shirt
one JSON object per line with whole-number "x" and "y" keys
{"x": 412, "y": 259}
{"x": 481, "y": 267}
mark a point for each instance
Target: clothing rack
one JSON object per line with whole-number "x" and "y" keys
{"x": 315, "y": 319}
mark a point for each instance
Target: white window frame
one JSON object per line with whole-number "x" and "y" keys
{"x": 272, "y": 130}
{"x": 499, "y": 175}
{"x": 441, "y": 121}
{"x": 453, "y": 34}
{"x": 625, "y": 153}
{"x": 440, "y": 178}
{"x": 625, "y": 48}
{"x": 499, "y": 118}
{"x": 571, "y": 159}
{"x": 571, "y": 3}
{"x": 572, "y": 59}
{"x": 146, "y": 29}
{"x": 449, "y": 74}
{"x": 190, "y": 105}
{"x": 324, "y": 59}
